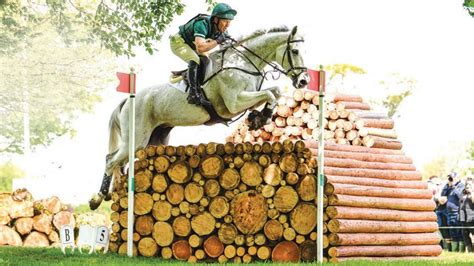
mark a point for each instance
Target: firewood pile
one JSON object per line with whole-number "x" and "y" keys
{"x": 221, "y": 202}
{"x": 29, "y": 223}
{"x": 347, "y": 121}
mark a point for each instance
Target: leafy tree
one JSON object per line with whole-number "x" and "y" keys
{"x": 8, "y": 172}
{"x": 403, "y": 87}
{"x": 339, "y": 72}
{"x": 438, "y": 167}
{"x": 45, "y": 84}
{"x": 469, "y": 6}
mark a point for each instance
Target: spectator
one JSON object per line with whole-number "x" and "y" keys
{"x": 441, "y": 211}
{"x": 466, "y": 214}
{"x": 451, "y": 194}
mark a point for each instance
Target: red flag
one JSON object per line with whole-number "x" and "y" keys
{"x": 314, "y": 79}
{"x": 124, "y": 85}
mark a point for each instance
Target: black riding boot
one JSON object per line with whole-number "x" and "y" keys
{"x": 195, "y": 92}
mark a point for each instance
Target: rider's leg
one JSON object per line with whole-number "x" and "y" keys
{"x": 195, "y": 92}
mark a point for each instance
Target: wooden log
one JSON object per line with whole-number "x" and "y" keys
{"x": 335, "y": 147}
{"x": 285, "y": 199}
{"x": 288, "y": 163}
{"x": 24, "y": 225}
{"x": 355, "y": 105}
{"x": 382, "y": 251}
{"x": 52, "y": 205}
{"x": 143, "y": 180}
{"x": 161, "y": 164}
{"x": 249, "y": 211}
{"x": 143, "y": 203}
{"x": 292, "y": 178}
{"x": 53, "y": 238}
{"x": 159, "y": 183}
{"x": 43, "y": 223}
{"x": 194, "y": 161}
{"x": 10, "y": 237}
{"x": 251, "y": 173}
{"x": 289, "y": 233}
{"x": 366, "y": 157}
{"x": 364, "y": 226}
{"x": 211, "y": 166}
{"x": 181, "y": 250}
{"x": 386, "y": 144}
{"x": 308, "y": 251}
{"x": 175, "y": 194}
{"x": 229, "y": 179}
{"x": 303, "y": 218}
{"x": 342, "y": 212}
{"x": 213, "y": 247}
{"x": 383, "y": 203}
{"x": 203, "y": 223}
{"x": 286, "y": 251}
{"x": 147, "y": 247}
{"x": 36, "y": 239}
{"x": 193, "y": 192}
{"x": 212, "y": 188}
{"x": 4, "y": 216}
{"x": 272, "y": 175}
{"x": 219, "y": 207}
{"x": 372, "y": 191}
{"x": 351, "y": 163}
{"x": 144, "y": 225}
{"x": 378, "y": 123}
{"x": 123, "y": 219}
{"x": 230, "y": 251}
{"x": 181, "y": 226}
{"x": 347, "y": 98}
{"x": 376, "y": 182}
{"x": 194, "y": 241}
{"x": 161, "y": 210}
{"x": 307, "y": 188}
{"x": 404, "y": 258}
{"x": 273, "y": 230}
{"x": 180, "y": 172}
{"x": 123, "y": 249}
{"x": 123, "y": 202}
{"x": 264, "y": 252}
{"x": 373, "y": 173}
{"x": 227, "y": 233}
{"x": 163, "y": 234}
{"x": 19, "y": 209}
{"x": 404, "y": 239}
{"x": 381, "y": 132}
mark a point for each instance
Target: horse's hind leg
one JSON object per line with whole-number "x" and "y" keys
{"x": 160, "y": 135}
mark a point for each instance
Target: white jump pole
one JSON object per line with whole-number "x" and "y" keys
{"x": 319, "y": 242}
{"x": 131, "y": 164}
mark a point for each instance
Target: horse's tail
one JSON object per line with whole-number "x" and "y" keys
{"x": 114, "y": 128}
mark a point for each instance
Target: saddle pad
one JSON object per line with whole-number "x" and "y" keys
{"x": 180, "y": 85}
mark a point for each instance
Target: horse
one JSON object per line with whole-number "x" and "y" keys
{"x": 232, "y": 84}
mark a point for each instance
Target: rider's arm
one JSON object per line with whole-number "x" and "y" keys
{"x": 204, "y": 45}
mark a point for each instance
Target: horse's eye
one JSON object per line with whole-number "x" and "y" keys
{"x": 295, "y": 51}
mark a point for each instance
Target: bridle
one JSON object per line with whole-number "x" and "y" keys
{"x": 291, "y": 72}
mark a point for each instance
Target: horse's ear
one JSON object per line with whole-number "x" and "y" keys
{"x": 293, "y": 31}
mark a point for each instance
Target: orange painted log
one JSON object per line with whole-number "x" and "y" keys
{"x": 382, "y": 251}
{"x": 351, "y": 163}
{"x": 361, "y": 239}
{"x": 382, "y": 203}
{"x": 404, "y": 258}
{"x": 367, "y": 157}
{"x": 355, "y": 190}
{"x": 356, "y": 213}
{"x": 355, "y": 105}
{"x": 354, "y": 180}
{"x": 347, "y": 98}
{"x": 385, "y": 143}
{"x": 378, "y": 123}
{"x": 338, "y": 147}
{"x": 365, "y": 226}
{"x": 373, "y": 173}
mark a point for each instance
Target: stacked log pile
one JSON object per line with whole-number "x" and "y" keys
{"x": 220, "y": 202}
{"x": 29, "y": 223}
{"x": 297, "y": 117}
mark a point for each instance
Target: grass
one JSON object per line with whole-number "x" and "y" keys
{"x": 53, "y": 256}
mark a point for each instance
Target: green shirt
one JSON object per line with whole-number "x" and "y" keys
{"x": 199, "y": 26}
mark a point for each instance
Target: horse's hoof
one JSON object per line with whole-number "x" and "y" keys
{"x": 108, "y": 196}
{"x": 95, "y": 201}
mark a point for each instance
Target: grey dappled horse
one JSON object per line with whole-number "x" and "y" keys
{"x": 233, "y": 80}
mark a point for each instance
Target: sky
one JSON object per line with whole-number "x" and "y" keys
{"x": 429, "y": 41}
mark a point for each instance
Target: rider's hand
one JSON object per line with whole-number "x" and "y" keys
{"x": 221, "y": 39}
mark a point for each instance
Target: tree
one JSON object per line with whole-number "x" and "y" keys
{"x": 400, "y": 87}
{"x": 45, "y": 84}
{"x": 119, "y": 25}
{"x": 8, "y": 172}
{"x": 469, "y": 6}
{"x": 339, "y": 72}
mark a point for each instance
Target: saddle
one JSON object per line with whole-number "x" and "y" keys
{"x": 182, "y": 75}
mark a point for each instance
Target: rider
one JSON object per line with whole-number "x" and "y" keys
{"x": 199, "y": 35}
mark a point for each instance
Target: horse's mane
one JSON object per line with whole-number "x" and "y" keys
{"x": 261, "y": 32}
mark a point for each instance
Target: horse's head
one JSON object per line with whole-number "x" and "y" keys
{"x": 290, "y": 58}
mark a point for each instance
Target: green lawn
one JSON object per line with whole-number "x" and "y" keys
{"x": 52, "y": 256}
